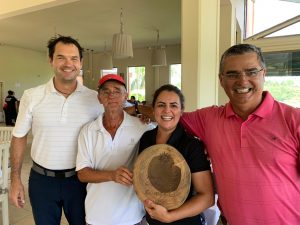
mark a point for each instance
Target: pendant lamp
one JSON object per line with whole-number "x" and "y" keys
{"x": 91, "y": 57}
{"x": 88, "y": 63}
{"x": 158, "y": 57}
{"x": 122, "y": 43}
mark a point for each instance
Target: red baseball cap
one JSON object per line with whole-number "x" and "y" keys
{"x": 112, "y": 77}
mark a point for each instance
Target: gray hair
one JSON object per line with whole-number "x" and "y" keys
{"x": 241, "y": 49}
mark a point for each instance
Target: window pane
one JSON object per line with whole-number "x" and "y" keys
{"x": 290, "y": 30}
{"x": 112, "y": 71}
{"x": 283, "y": 76}
{"x": 283, "y": 63}
{"x": 264, "y": 14}
{"x": 175, "y": 75}
{"x": 136, "y": 82}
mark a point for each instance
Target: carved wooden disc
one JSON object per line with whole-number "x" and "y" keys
{"x": 162, "y": 175}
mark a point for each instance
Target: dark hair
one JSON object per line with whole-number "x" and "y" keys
{"x": 64, "y": 39}
{"x": 170, "y": 88}
{"x": 241, "y": 49}
{"x": 10, "y": 92}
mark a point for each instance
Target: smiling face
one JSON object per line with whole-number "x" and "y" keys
{"x": 66, "y": 62}
{"x": 245, "y": 93}
{"x": 167, "y": 110}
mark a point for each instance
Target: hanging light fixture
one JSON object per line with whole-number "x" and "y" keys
{"x": 55, "y": 33}
{"x": 158, "y": 57}
{"x": 122, "y": 43}
{"x": 86, "y": 62}
{"x": 106, "y": 60}
{"x": 91, "y": 64}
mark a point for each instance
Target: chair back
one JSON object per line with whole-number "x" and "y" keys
{"x": 4, "y": 158}
{"x": 4, "y": 170}
{"x": 5, "y": 134}
{"x": 130, "y": 110}
{"x": 5, "y": 138}
{"x": 146, "y": 110}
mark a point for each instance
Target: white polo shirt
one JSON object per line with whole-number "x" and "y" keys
{"x": 55, "y": 122}
{"x": 110, "y": 203}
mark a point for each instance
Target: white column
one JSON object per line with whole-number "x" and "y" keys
{"x": 227, "y": 39}
{"x": 200, "y": 52}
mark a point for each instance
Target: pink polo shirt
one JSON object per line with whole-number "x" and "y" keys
{"x": 256, "y": 162}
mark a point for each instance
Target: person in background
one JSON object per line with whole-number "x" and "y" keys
{"x": 55, "y": 112}
{"x": 135, "y": 103}
{"x": 131, "y": 106}
{"x": 168, "y": 106}
{"x": 11, "y": 108}
{"x": 107, "y": 148}
{"x": 253, "y": 142}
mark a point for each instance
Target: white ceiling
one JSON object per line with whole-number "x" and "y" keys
{"x": 93, "y": 22}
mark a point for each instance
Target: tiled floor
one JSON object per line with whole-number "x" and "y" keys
{"x": 24, "y": 216}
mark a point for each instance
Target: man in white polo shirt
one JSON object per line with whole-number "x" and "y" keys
{"x": 107, "y": 148}
{"x": 55, "y": 112}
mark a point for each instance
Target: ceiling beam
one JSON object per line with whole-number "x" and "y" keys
{"x": 10, "y": 8}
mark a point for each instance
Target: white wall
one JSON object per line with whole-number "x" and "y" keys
{"x": 22, "y": 69}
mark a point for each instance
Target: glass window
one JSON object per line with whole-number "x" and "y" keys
{"x": 175, "y": 75}
{"x": 264, "y": 14}
{"x": 290, "y": 30}
{"x": 283, "y": 76}
{"x": 136, "y": 82}
{"x": 105, "y": 72}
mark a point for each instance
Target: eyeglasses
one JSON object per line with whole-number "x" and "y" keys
{"x": 251, "y": 73}
{"x": 107, "y": 93}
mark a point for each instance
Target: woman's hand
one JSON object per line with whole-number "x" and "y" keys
{"x": 204, "y": 198}
{"x": 157, "y": 212}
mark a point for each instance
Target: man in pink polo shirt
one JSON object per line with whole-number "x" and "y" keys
{"x": 254, "y": 144}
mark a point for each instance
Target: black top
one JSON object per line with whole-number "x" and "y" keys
{"x": 192, "y": 150}
{"x": 11, "y": 105}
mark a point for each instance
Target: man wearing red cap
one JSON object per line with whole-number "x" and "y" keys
{"x": 106, "y": 150}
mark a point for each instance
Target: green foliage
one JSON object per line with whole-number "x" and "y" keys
{"x": 285, "y": 90}
{"x": 137, "y": 83}
{"x": 138, "y": 96}
{"x": 176, "y": 75}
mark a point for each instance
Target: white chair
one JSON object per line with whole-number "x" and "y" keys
{"x": 4, "y": 157}
{"x": 5, "y": 138}
{"x": 5, "y": 134}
